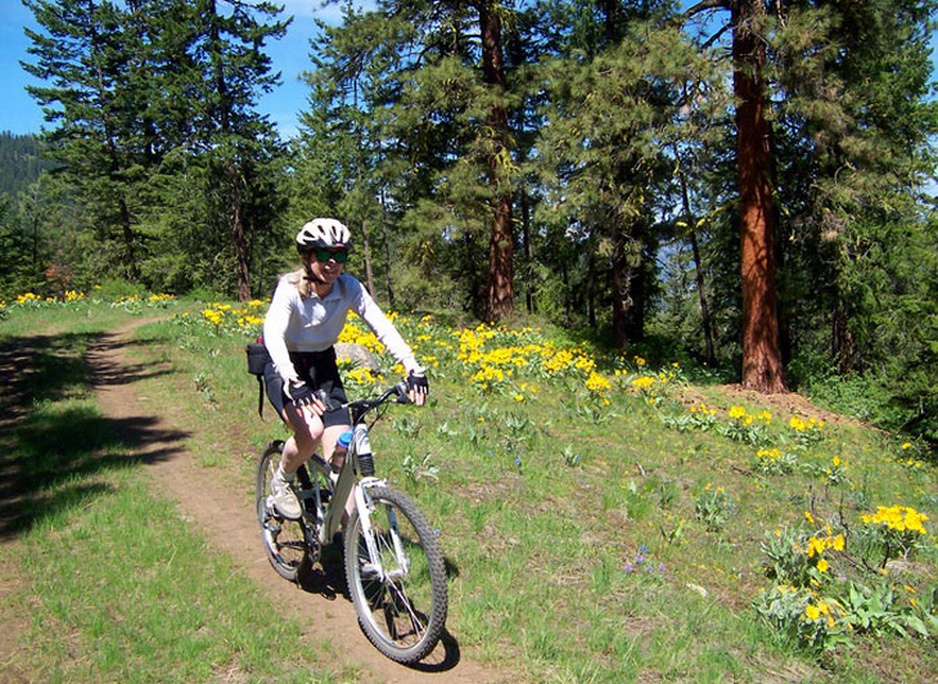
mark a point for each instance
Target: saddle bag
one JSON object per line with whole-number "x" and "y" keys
{"x": 258, "y": 358}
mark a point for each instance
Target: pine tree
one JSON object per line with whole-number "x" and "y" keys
{"x": 762, "y": 363}
{"x": 616, "y": 102}
{"x": 143, "y": 92}
{"x": 500, "y": 291}
{"x": 237, "y": 141}
{"x": 85, "y": 57}
{"x": 439, "y": 88}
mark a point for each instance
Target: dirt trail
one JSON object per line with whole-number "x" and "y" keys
{"x": 230, "y": 521}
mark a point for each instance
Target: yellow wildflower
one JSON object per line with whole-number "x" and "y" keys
{"x": 644, "y": 382}
{"x": 898, "y": 518}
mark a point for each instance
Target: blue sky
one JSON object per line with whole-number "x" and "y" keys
{"x": 20, "y": 114}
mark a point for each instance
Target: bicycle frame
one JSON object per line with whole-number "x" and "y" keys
{"x": 350, "y": 483}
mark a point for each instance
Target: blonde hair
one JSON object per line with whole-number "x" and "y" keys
{"x": 299, "y": 280}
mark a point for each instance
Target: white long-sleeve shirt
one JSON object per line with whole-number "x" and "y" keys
{"x": 294, "y": 324}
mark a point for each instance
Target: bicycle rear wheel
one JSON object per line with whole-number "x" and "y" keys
{"x": 402, "y": 608}
{"x": 284, "y": 540}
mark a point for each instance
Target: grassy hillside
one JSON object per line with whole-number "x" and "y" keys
{"x": 602, "y": 520}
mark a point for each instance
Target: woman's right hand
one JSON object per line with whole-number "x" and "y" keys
{"x": 301, "y": 394}
{"x": 304, "y": 397}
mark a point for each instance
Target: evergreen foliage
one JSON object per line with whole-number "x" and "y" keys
{"x": 606, "y": 132}
{"x": 20, "y": 162}
{"x": 152, "y": 103}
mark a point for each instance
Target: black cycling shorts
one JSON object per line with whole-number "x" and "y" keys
{"x": 319, "y": 371}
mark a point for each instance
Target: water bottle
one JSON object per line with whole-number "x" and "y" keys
{"x": 342, "y": 445}
{"x": 340, "y": 451}
{"x": 366, "y": 462}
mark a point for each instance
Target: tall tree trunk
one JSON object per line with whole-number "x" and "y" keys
{"x": 567, "y": 296}
{"x": 762, "y": 368}
{"x": 233, "y": 173}
{"x": 591, "y": 288}
{"x": 500, "y": 288}
{"x": 529, "y": 280}
{"x": 387, "y": 250}
{"x": 620, "y": 308}
{"x": 129, "y": 238}
{"x": 238, "y": 231}
{"x": 710, "y": 356}
{"x": 366, "y": 253}
{"x": 843, "y": 346}
{"x": 629, "y": 280}
{"x": 612, "y": 15}
{"x": 360, "y": 177}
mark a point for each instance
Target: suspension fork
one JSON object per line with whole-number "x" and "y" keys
{"x": 362, "y": 503}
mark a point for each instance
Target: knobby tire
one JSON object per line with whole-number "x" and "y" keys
{"x": 283, "y": 539}
{"x": 402, "y": 615}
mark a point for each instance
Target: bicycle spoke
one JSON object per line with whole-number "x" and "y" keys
{"x": 401, "y": 601}
{"x": 284, "y": 540}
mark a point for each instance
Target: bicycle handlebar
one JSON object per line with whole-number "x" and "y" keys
{"x": 360, "y": 407}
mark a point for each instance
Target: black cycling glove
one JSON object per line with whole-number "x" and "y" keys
{"x": 417, "y": 382}
{"x": 300, "y": 393}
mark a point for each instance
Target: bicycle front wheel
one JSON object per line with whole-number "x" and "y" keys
{"x": 400, "y": 599}
{"x": 284, "y": 540}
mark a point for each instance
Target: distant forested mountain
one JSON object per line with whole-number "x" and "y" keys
{"x": 20, "y": 161}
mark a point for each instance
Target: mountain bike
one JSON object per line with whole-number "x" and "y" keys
{"x": 394, "y": 567}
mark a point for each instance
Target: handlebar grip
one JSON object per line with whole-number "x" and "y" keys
{"x": 327, "y": 401}
{"x": 400, "y": 389}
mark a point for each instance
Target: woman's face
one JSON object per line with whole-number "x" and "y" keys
{"x": 326, "y": 264}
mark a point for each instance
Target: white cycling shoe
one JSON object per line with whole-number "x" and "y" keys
{"x": 285, "y": 500}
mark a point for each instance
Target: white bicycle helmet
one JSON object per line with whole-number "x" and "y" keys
{"x": 322, "y": 233}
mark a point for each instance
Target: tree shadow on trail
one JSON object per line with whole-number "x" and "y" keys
{"x": 53, "y": 439}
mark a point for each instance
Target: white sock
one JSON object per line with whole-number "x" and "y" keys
{"x": 283, "y": 474}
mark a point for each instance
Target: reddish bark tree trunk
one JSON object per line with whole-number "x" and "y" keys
{"x": 239, "y": 232}
{"x": 500, "y": 288}
{"x": 762, "y": 368}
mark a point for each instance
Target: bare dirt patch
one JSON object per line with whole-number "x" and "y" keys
{"x": 783, "y": 405}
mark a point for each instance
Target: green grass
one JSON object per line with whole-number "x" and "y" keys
{"x": 144, "y": 602}
{"x": 116, "y": 585}
{"x": 585, "y": 543}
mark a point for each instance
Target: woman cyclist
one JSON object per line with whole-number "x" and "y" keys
{"x": 303, "y": 323}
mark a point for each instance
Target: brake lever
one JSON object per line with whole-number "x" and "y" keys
{"x": 326, "y": 400}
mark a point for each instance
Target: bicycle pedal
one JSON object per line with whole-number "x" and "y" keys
{"x": 272, "y": 514}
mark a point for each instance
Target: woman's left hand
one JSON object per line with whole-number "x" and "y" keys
{"x": 417, "y": 387}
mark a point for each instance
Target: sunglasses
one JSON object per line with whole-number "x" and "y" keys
{"x": 323, "y": 255}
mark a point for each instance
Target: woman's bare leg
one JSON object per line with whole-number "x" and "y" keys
{"x": 307, "y": 430}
